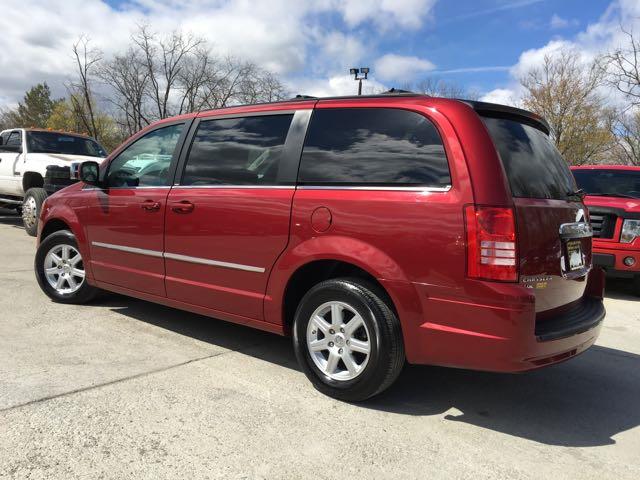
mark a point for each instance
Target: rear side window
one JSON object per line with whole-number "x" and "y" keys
{"x": 534, "y": 166}
{"x": 373, "y": 146}
{"x": 237, "y": 151}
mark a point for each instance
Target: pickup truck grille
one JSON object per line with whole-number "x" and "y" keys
{"x": 603, "y": 223}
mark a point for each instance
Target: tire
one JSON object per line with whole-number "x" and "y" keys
{"x": 31, "y": 206}
{"x": 354, "y": 376}
{"x": 69, "y": 266}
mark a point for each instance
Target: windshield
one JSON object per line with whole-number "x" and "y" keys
{"x": 52, "y": 142}
{"x": 609, "y": 182}
{"x": 534, "y": 166}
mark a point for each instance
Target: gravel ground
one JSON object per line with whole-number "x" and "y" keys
{"x": 127, "y": 389}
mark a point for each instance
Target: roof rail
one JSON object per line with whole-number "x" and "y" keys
{"x": 303, "y": 97}
{"x": 395, "y": 91}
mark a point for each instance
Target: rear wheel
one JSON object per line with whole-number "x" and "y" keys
{"x": 347, "y": 339}
{"x": 60, "y": 269}
{"x": 31, "y": 206}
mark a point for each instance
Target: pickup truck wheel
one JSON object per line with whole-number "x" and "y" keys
{"x": 60, "y": 269}
{"x": 347, "y": 339}
{"x": 31, "y": 205}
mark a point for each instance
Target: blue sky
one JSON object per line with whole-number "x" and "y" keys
{"x": 483, "y": 45}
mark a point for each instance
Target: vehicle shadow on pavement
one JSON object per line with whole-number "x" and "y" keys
{"x": 620, "y": 289}
{"x": 583, "y": 402}
{"x": 10, "y": 217}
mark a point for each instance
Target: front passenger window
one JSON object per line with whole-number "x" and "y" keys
{"x": 147, "y": 161}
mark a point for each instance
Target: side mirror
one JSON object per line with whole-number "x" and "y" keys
{"x": 90, "y": 173}
{"x": 11, "y": 148}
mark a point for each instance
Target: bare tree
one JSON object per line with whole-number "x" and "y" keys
{"x": 437, "y": 87}
{"x": 627, "y": 135}
{"x": 165, "y": 62}
{"x": 127, "y": 76}
{"x": 622, "y": 68}
{"x": 565, "y": 93}
{"x": 81, "y": 92}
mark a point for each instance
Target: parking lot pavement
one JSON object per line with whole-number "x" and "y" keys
{"x": 127, "y": 389}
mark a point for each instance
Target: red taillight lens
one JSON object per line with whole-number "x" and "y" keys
{"x": 491, "y": 243}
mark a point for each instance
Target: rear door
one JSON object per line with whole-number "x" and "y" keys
{"x": 125, "y": 219}
{"x": 554, "y": 239}
{"x": 228, "y": 216}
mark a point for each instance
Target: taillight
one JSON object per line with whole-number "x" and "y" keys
{"x": 491, "y": 243}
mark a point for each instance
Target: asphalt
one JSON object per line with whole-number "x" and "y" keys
{"x": 126, "y": 389}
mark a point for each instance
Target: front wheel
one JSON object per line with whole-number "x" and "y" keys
{"x": 31, "y": 206}
{"x": 347, "y": 339}
{"x": 60, "y": 269}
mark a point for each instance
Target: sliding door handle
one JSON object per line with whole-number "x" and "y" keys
{"x": 183, "y": 206}
{"x": 150, "y": 205}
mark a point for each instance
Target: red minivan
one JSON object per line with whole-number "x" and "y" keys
{"x": 374, "y": 230}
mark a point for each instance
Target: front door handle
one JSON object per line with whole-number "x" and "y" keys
{"x": 183, "y": 206}
{"x": 150, "y": 205}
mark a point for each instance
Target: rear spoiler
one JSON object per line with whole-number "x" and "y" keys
{"x": 502, "y": 111}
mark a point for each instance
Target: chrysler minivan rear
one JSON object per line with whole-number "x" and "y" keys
{"x": 541, "y": 245}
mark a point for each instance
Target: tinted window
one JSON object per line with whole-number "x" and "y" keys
{"x": 609, "y": 182}
{"x": 52, "y": 142}
{"x": 237, "y": 151}
{"x": 534, "y": 167}
{"x": 373, "y": 146}
{"x": 147, "y": 161}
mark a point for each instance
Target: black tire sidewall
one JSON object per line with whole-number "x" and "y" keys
{"x": 82, "y": 295}
{"x": 351, "y": 293}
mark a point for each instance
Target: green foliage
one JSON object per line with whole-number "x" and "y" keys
{"x": 36, "y": 107}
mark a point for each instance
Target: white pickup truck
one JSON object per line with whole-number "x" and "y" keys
{"x": 35, "y": 163}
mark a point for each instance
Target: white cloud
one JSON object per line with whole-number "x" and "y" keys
{"x": 401, "y": 68}
{"x": 558, "y": 23}
{"x": 281, "y": 35}
{"x": 597, "y": 38}
{"x": 503, "y": 96}
{"x": 385, "y": 13}
{"x": 336, "y": 86}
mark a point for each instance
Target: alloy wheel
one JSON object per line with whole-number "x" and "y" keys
{"x": 338, "y": 341}
{"x": 63, "y": 269}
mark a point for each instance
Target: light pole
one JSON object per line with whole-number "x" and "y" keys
{"x": 355, "y": 71}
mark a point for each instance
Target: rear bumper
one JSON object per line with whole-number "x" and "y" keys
{"x": 502, "y": 333}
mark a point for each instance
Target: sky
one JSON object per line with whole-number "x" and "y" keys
{"x": 481, "y": 45}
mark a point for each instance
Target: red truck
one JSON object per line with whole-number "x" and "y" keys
{"x": 374, "y": 230}
{"x": 613, "y": 198}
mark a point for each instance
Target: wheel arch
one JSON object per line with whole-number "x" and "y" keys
{"x": 53, "y": 225}
{"x": 316, "y": 271}
{"x": 32, "y": 180}
{"x": 62, "y": 217}
{"x": 322, "y": 258}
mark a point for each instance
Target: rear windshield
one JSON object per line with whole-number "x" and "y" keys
{"x": 534, "y": 167}
{"x": 609, "y": 182}
{"x": 52, "y": 142}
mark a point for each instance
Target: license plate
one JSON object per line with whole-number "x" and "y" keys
{"x": 574, "y": 254}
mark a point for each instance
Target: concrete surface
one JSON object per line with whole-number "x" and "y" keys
{"x": 128, "y": 389}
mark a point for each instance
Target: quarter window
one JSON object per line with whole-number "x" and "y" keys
{"x": 373, "y": 146}
{"x": 147, "y": 161}
{"x": 237, "y": 151}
